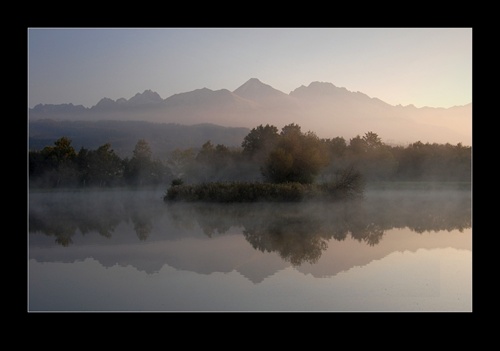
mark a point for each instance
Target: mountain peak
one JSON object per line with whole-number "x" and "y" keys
{"x": 319, "y": 89}
{"x": 254, "y": 81}
{"x": 254, "y": 89}
{"x": 105, "y": 103}
{"x": 148, "y": 96}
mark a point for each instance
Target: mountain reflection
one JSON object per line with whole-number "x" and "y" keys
{"x": 298, "y": 232}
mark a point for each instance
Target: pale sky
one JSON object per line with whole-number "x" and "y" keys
{"x": 419, "y": 66}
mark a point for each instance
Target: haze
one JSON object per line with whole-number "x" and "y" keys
{"x": 420, "y": 66}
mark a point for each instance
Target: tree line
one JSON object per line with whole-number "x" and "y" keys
{"x": 61, "y": 166}
{"x": 265, "y": 155}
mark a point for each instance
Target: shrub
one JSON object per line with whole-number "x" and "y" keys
{"x": 177, "y": 181}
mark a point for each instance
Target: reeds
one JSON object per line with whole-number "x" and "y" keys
{"x": 348, "y": 184}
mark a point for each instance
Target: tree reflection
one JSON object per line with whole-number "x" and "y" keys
{"x": 142, "y": 228}
{"x": 302, "y": 235}
{"x": 65, "y": 216}
{"x": 297, "y": 232}
{"x": 141, "y": 217}
{"x": 300, "y": 232}
{"x": 370, "y": 233}
{"x": 102, "y": 223}
{"x": 296, "y": 239}
{"x": 63, "y": 220}
{"x": 62, "y": 233}
{"x": 62, "y": 226}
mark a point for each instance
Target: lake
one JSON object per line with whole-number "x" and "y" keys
{"x": 396, "y": 250}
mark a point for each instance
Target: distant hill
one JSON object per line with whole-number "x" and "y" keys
{"x": 321, "y": 107}
{"x": 123, "y": 135}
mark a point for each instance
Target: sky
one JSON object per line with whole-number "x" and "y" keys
{"x": 420, "y": 66}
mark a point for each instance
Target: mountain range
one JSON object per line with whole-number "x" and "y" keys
{"x": 321, "y": 107}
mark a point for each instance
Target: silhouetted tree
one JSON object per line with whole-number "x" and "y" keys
{"x": 206, "y": 153}
{"x": 372, "y": 141}
{"x": 101, "y": 167}
{"x": 56, "y": 164}
{"x": 259, "y": 142}
{"x": 142, "y": 151}
{"x": 297, "y": 157}
{"x": 180, "y": 162}
{"x": 141, "y": 169}
{"x": 336, "y": 147}
{"x": 62, "y": 151}
{"x": 371, "y": 156}
{"x": 357, "y": 146}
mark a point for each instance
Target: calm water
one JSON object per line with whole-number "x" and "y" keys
{"x": 128, "y": 251}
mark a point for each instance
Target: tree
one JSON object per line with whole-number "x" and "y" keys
{"x": 141, "y": 169}
{"x": 337, "y": 147}
{"x": 101, "y": 167}
{"x": 372, "y": 157}
{"x": 372, "y": 141}
{"x": 291, "y": 130}
{"x": 260, "y": 141}
{"x": 207, "y": 152}
{"x": 279, "y": 166}
{"x": 216, "y": 163}
{"x": 58, "y": 165}
{"x": 62, "y": 151}
{"x": 357, "y": 146}
{"x": 297, "y": 157}
{"x": 180, "y": 162}
{"x": 142, "y": 151}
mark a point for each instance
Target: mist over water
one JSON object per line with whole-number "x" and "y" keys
{"x": 240, "y": 244}
{"x": 73, "y": 213}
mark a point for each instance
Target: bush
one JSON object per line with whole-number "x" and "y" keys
{"x": 177, "y": 181}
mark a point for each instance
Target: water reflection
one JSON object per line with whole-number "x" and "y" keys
{"x": 424, "y": 280}
{"x": 298, "y": 233}
{"x": 107, "y": 250}
{"x": 64, "y": 214}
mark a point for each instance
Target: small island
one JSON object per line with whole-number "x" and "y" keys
{"x": 290, "y": 164}
{"x": 348, "y": 185}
